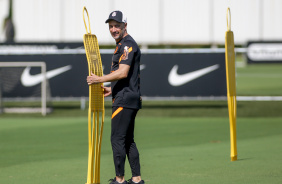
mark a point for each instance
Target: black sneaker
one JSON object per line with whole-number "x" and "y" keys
{"x": 131, "y": 182}
{"x": 114, "y": 181}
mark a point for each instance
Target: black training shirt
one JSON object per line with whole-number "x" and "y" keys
{"x": 126, "y": 92}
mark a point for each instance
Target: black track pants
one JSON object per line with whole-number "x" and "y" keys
{"x": 122, "y": 139}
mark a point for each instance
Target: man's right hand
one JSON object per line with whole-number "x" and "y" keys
{"x": 107, "y": 91}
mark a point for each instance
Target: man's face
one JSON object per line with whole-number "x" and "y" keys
{"x": 117, "y": 29}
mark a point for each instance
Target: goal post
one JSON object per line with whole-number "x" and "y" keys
{"x": 40, "y": 64}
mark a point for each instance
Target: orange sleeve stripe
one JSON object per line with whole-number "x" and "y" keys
{"x": 117, "y": 111}
{"x": 116, "y": 49}
{"x": 130, "y": 49}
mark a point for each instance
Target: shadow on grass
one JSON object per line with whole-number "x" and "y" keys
{"x": 243, "y": 159}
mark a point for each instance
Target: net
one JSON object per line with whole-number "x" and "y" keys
{"x": 94, "y": 66}
{"x": 15, "y": 97}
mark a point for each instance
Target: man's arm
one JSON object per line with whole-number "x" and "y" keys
{"x": 120, "y": 73}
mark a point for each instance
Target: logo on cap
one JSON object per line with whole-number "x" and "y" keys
{"x": 114, "y": 14}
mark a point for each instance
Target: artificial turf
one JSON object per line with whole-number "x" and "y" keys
{"x": 178, "y": 150}
{"x": 259, "y": 80}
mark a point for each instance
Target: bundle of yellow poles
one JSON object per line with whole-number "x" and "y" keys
{"x": 231, "y": 85}
{"x": 96, "y": 105}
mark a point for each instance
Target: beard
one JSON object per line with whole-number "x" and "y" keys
{"x": 119, "y": 36}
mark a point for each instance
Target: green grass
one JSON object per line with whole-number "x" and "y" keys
{"x": 259, "y": 80}
{"x": 173, "y": 150}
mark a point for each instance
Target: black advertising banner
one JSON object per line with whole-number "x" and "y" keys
{"x": 183, "y": 75}
{"x": 264, "y": 52}
{"x": 162, "y": 74}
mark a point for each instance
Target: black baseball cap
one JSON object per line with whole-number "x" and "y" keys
{"x": 117, "y": 16}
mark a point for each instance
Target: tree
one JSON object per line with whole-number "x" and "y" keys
{"x": 9, "y": 27}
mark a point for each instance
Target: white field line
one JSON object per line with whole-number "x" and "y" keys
{"x": 259, "y": 98}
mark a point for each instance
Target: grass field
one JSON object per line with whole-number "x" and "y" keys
{"x": 260, "y": 80}
{"x": 180, "y": 142}
{"x": 173, "y": 150}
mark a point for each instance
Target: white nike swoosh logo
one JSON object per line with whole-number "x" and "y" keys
{"x": 142, "y": 67}
{"x": 175, "y": 79}
{"x": 29, "y": 80}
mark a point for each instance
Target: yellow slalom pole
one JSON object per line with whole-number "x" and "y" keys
{"x": 96, "y": 105}
{"x": 100, "y": 142}
{"x": 96, "y": 149}
{"x": 90, "y": 158}
{"x": 93, "y": 148}
{"x": 231, "y": 85}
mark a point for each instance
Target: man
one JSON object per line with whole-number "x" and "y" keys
{"x": 125, "y": 90}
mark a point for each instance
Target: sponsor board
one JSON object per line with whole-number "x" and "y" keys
{"x": 162, "y": 74}
{"x": 264, "y": 52}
